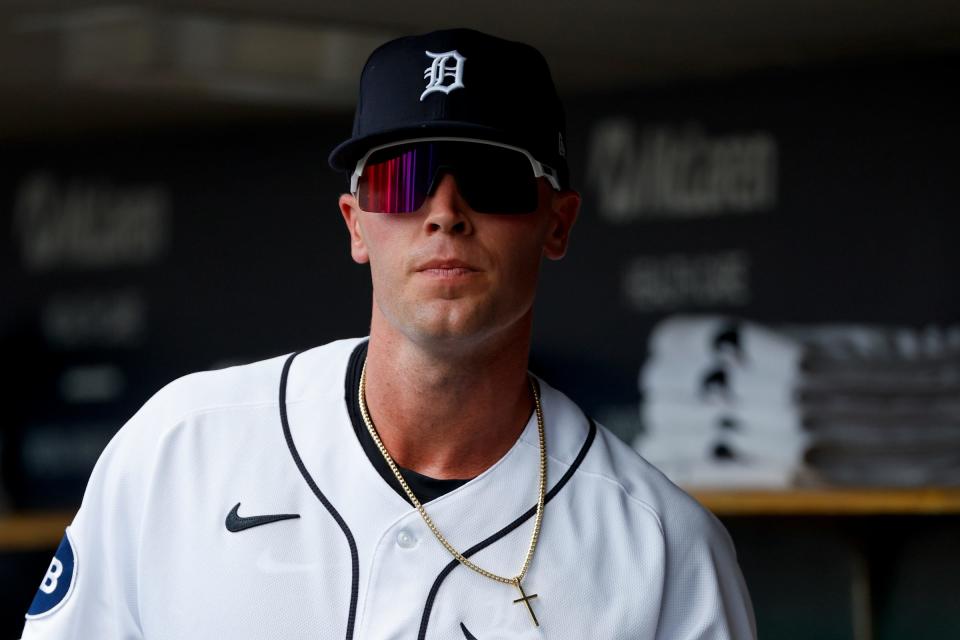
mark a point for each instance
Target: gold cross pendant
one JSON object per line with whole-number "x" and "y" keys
{"x": 525, "y": 599}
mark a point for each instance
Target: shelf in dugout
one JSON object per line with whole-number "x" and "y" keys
{"x": 28, "y": 531}
{"x": 831, "y": 502}
{"x": 33, "y": 530}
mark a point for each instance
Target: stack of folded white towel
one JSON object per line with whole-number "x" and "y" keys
{"x": 719, "y": 404}
{"x": 730, "y": 403}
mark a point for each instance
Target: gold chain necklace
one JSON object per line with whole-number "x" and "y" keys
{"x": 541, "y": 497}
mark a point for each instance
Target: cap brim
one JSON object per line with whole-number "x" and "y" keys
{"x": 345, "y": 156}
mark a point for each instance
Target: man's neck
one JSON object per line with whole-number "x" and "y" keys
{"x": 447, "y": 413}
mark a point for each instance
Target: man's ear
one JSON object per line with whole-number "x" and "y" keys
{"x": 351, "y": 216}
{"x": 564, "y": 207}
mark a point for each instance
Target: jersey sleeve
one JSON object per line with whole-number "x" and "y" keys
{"x": 705, "y": 596}
{"x": 90, "y": 589}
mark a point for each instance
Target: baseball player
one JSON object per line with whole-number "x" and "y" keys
{"x": 418, "y": 483}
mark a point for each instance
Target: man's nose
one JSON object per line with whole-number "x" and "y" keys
{"x": 446, "y": 209}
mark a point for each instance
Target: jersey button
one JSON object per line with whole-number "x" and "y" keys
{"x": 406, "y": 540}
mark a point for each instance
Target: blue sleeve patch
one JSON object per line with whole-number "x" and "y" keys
{"x": 58, "y": 583}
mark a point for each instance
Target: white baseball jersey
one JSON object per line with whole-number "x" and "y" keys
{"x": 322, "y": 547}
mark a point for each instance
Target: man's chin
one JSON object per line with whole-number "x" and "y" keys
{"x": 451, "y": 331}
{"x": 448, "y": 333}
{"x": 450, "y": 326}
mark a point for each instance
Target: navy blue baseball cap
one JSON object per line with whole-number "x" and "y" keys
{"x": 458, "y": 83}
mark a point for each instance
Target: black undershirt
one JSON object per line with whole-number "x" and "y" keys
{"x": 424, "y": 487}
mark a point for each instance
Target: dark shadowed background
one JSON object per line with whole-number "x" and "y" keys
{"x": 167, "y": 207}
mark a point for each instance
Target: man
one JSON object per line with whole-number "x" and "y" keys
{"x": 419, "y": 484}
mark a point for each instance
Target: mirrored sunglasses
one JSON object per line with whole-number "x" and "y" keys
{"x": 491, "y": 177}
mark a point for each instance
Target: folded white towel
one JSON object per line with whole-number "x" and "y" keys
{"x": 712, "y": 475}
{"x": 687, "y": 380}
{"x": 666, "y": 416}
{"x": 709, "y": 338}
{"x": 787, "y": 449}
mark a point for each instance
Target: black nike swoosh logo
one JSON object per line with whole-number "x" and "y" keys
{"x": 237, "y": 523}
{"x": 466, "y": 632}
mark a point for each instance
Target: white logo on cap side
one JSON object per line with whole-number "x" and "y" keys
{"x": 445, "y": 65}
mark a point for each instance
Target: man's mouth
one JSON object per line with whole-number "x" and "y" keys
{"x": 445, "y": 267}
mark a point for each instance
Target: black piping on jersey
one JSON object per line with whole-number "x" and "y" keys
{"x": 428, "y": 607}
{"x": 354, "y": 558}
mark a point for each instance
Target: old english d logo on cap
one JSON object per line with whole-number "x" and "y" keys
{"x": 440, "y": 70}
